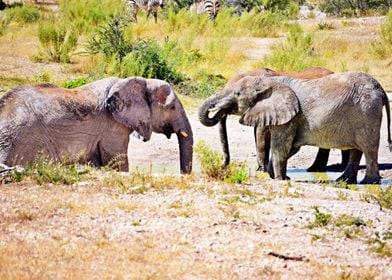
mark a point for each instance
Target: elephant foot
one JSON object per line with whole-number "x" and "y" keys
{"x": 316, "y": 168}
{"x": 261, "y": 168}
{"x": 346, "y": 178}
{"x": 371, "y": 180}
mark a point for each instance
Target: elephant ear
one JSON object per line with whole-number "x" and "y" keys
{"x": 129, "y": 105}
{"x": 161, "y": 93}
{"x": 276, "y": 106}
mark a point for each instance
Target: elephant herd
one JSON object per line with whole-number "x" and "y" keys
{"x": 92, "y": 123}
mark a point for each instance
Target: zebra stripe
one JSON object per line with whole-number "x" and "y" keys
{"x": 210, "y": 7}
{"x": 148, "y": 5}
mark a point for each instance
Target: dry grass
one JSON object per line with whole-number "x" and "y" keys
{"x": 179, "y": 227}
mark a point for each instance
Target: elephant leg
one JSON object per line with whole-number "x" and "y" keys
{"x": 345, "y": 158}
{"x": 350, "y": 173}
{"x": 320, "y": 163}
{"x": 263, "y": 145}
{"x": 114, "y": 150}
{"x": 282, "y": 139}
{"x": 341, "y": 166}
{"x": 372, "y": 173}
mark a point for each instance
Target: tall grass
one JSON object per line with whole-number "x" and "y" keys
{"x": 211, "y": 163}
{"x": 296, "y": 53}
{"x": 22, "y": 14}
{"x": 58, "y": 39}
{"x": 87, "y": 14}
{"x": 383, "y": 46}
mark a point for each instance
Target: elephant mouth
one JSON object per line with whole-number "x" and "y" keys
{"x": 137, "y": 135}
{"x": 227, "y": 108}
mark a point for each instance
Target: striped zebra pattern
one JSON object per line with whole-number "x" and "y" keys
{"x": 210, "y": 7}
{"x": 149, "y": 5}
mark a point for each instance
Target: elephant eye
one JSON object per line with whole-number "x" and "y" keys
{"x": 237, "y": 93}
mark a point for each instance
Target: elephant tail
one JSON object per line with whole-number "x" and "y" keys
{"x": 388, "y": 109}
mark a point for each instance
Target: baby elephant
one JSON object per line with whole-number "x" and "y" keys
{"x": 91, "y": 123}
{"x": 342, "y": 111}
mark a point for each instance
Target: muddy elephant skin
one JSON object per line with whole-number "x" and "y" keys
{"x": 341, "y": 111}
{"x": 262, "y": 134}
{"x": 90, "y": 124}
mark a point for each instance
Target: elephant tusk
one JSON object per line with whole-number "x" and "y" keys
{"x": 183, "y": 133}
{"x": 212, "y": 110}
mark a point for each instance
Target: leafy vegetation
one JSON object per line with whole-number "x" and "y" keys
{"x": 350, "y": 8}
{"x": 22, "y": 14}
{"x": 43, "y": 171}
{"x": 297, "y": 53}
{"x": 212, "y": 165}
{"x": 76, "y": 83}
{"x": 59, "y": 39}
{"x": 383, "y": 46}
{"x": 320, "y": 219}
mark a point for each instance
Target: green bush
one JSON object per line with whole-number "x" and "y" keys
{"x": 87, "y": 14}
{"x": 211, "y": 164}
{"x": 22, "y": 13}
{"x": 109, "y": 40}
{"x": 76, "y": 83}
{"x": 266, "y": 24}
{"x": 43, "y": 170}
{"x": 350, "y": 8}
{"x": 202, "y": 85}
{"x": 297, "y": 53}
{"x": 139, "y": 57}
{"x": 58, "y": 39}
{"x": 383, "y": 46}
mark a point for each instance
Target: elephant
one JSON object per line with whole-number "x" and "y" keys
{"x": 342, "y": 111}
{"x": 92, "y": 122}
{"x": 262, "y": 135}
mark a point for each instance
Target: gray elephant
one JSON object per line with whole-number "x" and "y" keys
{"x": 262, "y": 134}
{"x": 342, "y": 111}
{"x": 92, "y": 122}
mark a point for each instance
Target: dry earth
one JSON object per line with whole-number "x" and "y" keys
{"x": 177, "y": 227}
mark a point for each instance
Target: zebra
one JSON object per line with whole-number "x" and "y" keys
{"x": 210, "y": 7}
{"x": 149, "y": 5}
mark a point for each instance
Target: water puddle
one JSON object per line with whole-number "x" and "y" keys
{"x": 296, "y": 174}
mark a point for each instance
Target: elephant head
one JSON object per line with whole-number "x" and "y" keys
{"x": 258, "y": 100}
{"x": 149, "y": 105}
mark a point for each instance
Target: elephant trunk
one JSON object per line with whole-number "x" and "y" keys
{"x": 213, "y": 103}
{"x": 224, "y": 140}
{"x": 185, "y": 143}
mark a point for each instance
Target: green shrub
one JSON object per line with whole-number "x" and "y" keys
{"x": 43, "y": 170}
{"x": 350, "y": 8}
{"x": 320, "y": 219}
{"x": 139, "y": 57}
{"x": 148, "y": 59}
{"x": 109, "y": 40}
{"x": 383, "y": 46}
{"x": 202, "y": 85}
{"x": 266, "y": 24}
{"x": 89, "y": 13}
{"x": 76, "y": 83}
{"x": 22, "y": 13}
{"x": 211, "y": 164}
{"x": 297, "y": 53}
{"x": 58, "y": 39}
